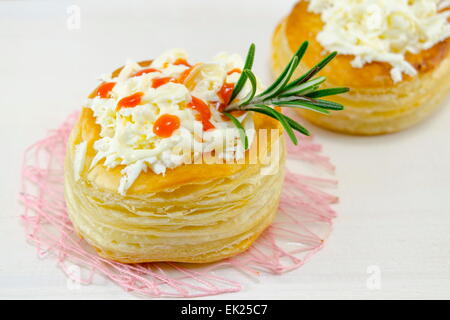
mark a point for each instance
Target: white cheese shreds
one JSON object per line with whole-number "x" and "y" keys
{"x": 127, "y": 134}
{"x": 382, "y": 30}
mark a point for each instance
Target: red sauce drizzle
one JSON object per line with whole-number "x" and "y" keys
{"x": 234, "y": 70}
{"x": 225, "y": 94}
{"x": 165, "y": 125}
{"x": 182, "y": 61}
{"x": 130, "y": 101}
{"x": 158, "y": 82}
{"x": 184, "y": 75}
{"x": 204, "y": 114}
{"x": 145, "y": 71}
{"x": 161, "y": 81}
{"x": 104, "y": 89}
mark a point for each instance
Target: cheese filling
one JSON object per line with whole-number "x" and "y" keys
{"x": 167, "y": 114}
{"x": 382, "y": 30}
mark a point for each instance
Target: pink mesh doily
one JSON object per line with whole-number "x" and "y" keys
{"x": 303, "y": 223}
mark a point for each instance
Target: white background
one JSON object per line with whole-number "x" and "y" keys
{"x": 394, "y": 211}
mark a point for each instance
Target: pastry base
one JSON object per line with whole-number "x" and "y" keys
{"x": 197, "y": 222}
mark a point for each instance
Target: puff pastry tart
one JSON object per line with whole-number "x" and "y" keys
{"x": 394, "y": 55}
{"x": 135, "y": 197}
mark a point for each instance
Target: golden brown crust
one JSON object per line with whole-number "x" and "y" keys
{"x": 303, "y": 25}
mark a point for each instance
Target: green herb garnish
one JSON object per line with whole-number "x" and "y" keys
{"x": 302, "y": 93}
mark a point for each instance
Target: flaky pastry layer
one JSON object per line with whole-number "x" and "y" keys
{"x": 194, "y": 213}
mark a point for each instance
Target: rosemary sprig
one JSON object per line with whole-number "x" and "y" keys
{"x": 240, "y": 128}
{"x": 303, "y": 93}
{"x": 247, "y": 66}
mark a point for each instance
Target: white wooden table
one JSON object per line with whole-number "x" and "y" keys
{"x": 395, "y": 190}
